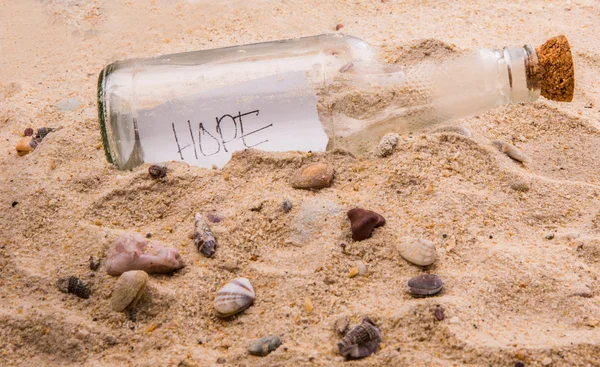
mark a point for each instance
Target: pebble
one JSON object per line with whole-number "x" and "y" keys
{"x": 454, "y": 320}
{"x": 386, "y": 145}
{"x": 230, "y": 265}
{"x": 439, "y": 314}
{"x": 264, "y": 346}
{"x": 511, "y": 151}
{"x": 68, "y": 104}
{"x": 156, "y": 171}
{"x": 589, "y": 104}
{"x": 25, "y": 146}
{"x": 82, "y": 334}
{"x": 362, "y": 223}
{"x": 308, "y": 305}
{"x": 549, "y": 236}
{"x": 28, "y": 132}
{"x": 339, "y": 26}
{"x": 362, "y": 268}
{"x": 313, "y": 176}
{"x": 214, "y": 217}
{"x": 287, "y": 206}
{"x": 547, "y": 361}
{"x": 94, "y": 263}
{"x": 520, "y": 186}
{"x": 353, "y": 272}
{"x": 425, "y": 285}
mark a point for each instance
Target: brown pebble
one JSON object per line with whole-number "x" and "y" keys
{"x": 439, "y": 313}
{"x": 362, "y": 223}
{"x": 94, "y": 263}
{"x": 339, "y": 26}
{"x": 157, "y": 171}
{"x": 313, "y": 176}
{"x": 24, "y": 146}
{"x": 28, "y": 132}
{"x": 353, "y": 272}
{"x": 308, "y": 305}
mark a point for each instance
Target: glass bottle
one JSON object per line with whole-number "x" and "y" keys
{"x": 310, "y": 94}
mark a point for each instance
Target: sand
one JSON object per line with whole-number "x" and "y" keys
{"x": 511, "y": 293}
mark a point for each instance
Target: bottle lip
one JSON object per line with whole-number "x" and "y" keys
{"x": 102, "y": 114}
{"x": 532, "y": 70}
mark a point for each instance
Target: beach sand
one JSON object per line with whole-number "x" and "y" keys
{"x": 512, "y": 295}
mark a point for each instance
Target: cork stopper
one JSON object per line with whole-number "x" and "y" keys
{"x": 556, "y": 69}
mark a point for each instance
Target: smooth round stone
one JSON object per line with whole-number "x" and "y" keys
{"x": 313, "y": 176}
{"x": 263, "y": 346}
{"x": 425, "y": 285}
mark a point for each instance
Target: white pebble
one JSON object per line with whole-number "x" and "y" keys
{"x": 387, "y": 144}
{"x": 454, "y": 320}
{"x": 547, "y": 361}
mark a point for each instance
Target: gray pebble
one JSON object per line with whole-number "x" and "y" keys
{"x": 263, "y": 346}
{"x": 386, "y": 145}
{"x": 287, "y": 206}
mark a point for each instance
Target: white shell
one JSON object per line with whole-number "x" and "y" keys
{"x": 418, "y": 251}
{"x": 234, "y": 297}
{"x": 128, "y": 290}
{"x": 511, "y": 151}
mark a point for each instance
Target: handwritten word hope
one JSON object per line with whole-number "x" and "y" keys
{"x": 213, "y": 139}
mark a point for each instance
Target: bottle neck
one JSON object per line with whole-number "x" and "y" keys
{"x": 524, "y": 80}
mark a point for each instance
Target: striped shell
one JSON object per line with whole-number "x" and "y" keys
{"x": 234, "y": 297}
{"x": 128, "y": 290}
{"x": 418, "y": 251}
{"x": 362, "y": 341}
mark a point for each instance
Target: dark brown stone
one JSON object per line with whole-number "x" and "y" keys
{"x": 363, "y": 222}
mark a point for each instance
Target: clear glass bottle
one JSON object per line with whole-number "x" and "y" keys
{"x": 309, "y": 94}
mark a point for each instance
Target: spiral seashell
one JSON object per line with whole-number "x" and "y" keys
{"x": 234, "y": 297}
{"x": 203, "y": 237}
{"x": 128, "y": 290}
{"x": 418, "y": 251}
{"x": 74, "y": 285}
{"x": 362, "y": 341}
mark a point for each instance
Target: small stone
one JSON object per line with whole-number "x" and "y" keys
{"x": 28, "y": 132}
{"x": 313, "y": 176}
{"x": 94, "y": 263}
{"x": 308, "y": 305}
{"x": 521, "y": 355}
{"x": 329, "y": 281}
{"x": 362, "y": 268}
{"x": 339, "y": 26}
{"x": 353, "y": 272}
{"x": 264, "y": 346}
{"x": 549, "y": 236}
{"x": 82, "y": 334}
{"x": 454, "y": 320}
{"x": 24, "y": 146}
{"x": 287, "y": 206}
{"x": 362, "y": 223}
{"x": 511, "y": 151}
{"x": 214, "y": 217}
{"x": 520, "y": 186}
{"x": 157, "y": 171}
{"x": 439, "y": 314}
{"x": 386, "y": 145}
{"x": 519, "y": 364}
{"x": 221, "y": 360}
{"x": 589, "y": 104}
{"x": 425, "y": 285}
{"x": 111, "y": 340}
{"x": 547, "y": 361}
{"x": 341, "y": 326}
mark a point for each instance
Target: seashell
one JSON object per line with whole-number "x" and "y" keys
{"x": 263, "y": 346}
{"x": 362, "y": 223}
{"x": 234, "y": 297}
{"x": 386, "y": 145}
{"x": 511, "y": 151}
{"x": 203, "y": 237}
{"x": 439, "y": 314}
{"x": 132, "y": 251}
{"x": 425, "y": 285}
{"x": 341, "y": 326}
{"x": 362, "y": 341}
{"x": 459, "y": 130}
{"x": 128, "y": 290}
{"x": 287, "y": 206}
{"x": 313, "y": 176}
{"x": 43, "y": 131}
{"x": 74, "y": 285}
{"x": 24, "y": 146}
{"x": 156, "y": 171}
{"x": 418, "y": 251}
